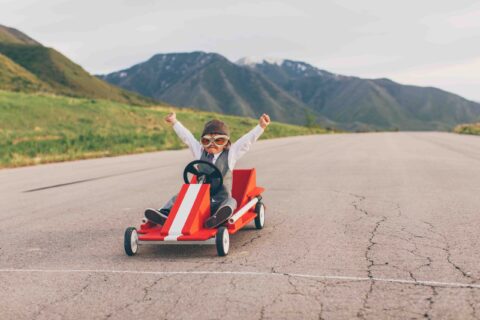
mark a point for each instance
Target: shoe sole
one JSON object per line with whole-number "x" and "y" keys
{"x": 220, "y": 217}
{"x": 155, "y": 216}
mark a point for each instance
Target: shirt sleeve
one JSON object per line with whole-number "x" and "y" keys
{"x": 187, "y": 137}
{"x": 242, "y": 145}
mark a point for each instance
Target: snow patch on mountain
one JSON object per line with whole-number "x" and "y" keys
{"x": 252, "y": 61}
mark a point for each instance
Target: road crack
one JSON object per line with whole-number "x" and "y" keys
{"x": 371, "y": 263}
{"x": 431, "y": 302}
{"x": 356, "y": 203}
{"x": 146, "y": 292}
{"x": 65, "y": 298}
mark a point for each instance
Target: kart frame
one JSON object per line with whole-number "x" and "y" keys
{"x": 185, "y": 223}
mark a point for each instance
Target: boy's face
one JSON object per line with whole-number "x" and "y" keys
{"x": 213, "y": 149}
{"x": 214, "y": 143}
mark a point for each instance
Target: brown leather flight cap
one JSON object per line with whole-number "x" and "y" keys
{"x": 216, "y": 126}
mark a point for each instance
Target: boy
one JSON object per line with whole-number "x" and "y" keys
{"x": 215, "y": 147}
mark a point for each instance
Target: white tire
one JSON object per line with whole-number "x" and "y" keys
{"x": 260, "y": 218}
{"x": 130, "y": 242}
{"x": 222, "y": 240}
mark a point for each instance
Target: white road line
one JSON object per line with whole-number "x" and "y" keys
{"x": 251, "y": 273}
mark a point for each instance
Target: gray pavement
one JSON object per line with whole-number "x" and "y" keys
{"x": 370, "y": 226}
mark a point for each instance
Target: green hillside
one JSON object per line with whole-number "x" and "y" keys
{"x": 62, "y": 75}
{"x": 472, "y": 128}
{"x": 40, "y": 128}
{"x": 15, "y": 78}
{"x": 26, "y": 65}
{"x": 11, "y": 35}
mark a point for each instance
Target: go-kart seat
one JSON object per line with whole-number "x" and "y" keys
{"x": 244, "y": 182}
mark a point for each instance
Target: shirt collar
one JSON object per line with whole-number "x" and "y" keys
{"x": 216, "y": 155}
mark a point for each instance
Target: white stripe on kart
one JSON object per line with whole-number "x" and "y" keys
{"x": 183, "y": 212}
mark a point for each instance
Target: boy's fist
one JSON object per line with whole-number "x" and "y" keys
{"x": 171, "y": 118}
{"x": 264, "y": 121}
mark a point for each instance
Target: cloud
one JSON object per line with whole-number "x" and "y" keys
{"x": 462, "y": 78}
{"x": 465, "y": 20}
{"x": 370, "y": 38}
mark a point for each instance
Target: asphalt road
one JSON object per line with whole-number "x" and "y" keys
{"x": 371, "y": 226}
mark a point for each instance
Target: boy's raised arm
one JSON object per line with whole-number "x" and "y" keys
{"x": 242, "y": 145}
{"x": 185, "y": 135}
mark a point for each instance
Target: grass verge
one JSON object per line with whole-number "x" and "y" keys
{"x": 473, "y": 128}
{"x": 42, "y": 128}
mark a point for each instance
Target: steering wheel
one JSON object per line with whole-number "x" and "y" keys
{"x": 206, "y": 172}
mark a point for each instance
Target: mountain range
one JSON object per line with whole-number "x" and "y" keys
{"x": 290, "y": 91}
{"x": 27, "y": 65}
{"x": 293, "y": 92}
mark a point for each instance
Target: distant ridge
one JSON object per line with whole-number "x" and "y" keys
{"x": 293, "y": 91}
{"x": 209, "y": 81}
{"x": 370, "y": 104}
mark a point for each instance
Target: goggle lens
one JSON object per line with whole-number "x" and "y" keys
{"x": 219, "y": 141}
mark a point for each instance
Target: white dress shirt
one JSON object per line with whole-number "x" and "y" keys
{"x": 237, "y": 149}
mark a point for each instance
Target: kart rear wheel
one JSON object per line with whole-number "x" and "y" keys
{"x": 222, "y": 240}
{"x": 130, "y": 242}
{"x": 260, "y": 218}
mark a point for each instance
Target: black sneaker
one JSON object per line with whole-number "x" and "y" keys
{"x": 155, "y": 216}
{"x": 222, "y": 215}
{"x": 165, "y": 212}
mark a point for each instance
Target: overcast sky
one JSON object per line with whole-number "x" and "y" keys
{"x": 427, "y": 42}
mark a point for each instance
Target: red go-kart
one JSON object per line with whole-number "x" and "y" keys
{"x": 185, "y": 223}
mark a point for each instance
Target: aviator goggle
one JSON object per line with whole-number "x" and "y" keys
{"x": 219, "y": 140}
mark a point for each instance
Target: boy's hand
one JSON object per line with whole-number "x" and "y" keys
{"x": 264, "y": 121}
{"x": 171, "y": 118}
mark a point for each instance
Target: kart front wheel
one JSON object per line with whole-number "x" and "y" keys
{"x": 260, "y": 218}
{"x": 130, "y": 242}
{"x": 222, "y": 240}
